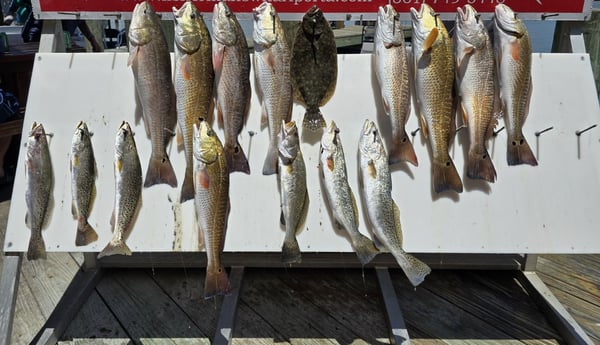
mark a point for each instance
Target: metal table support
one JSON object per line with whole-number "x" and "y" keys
{"x": 397, "y": 327}
{"x": 226, "y": 322}
{"x": 9, "y": 284}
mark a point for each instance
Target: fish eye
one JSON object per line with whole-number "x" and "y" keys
{"x": 193, "y": 15}
{"x": 336, "y": 131}
{"x": 477, "y": 17}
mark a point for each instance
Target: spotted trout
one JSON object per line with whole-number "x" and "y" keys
{"x": 193, "y": 81}
{"x": 128, "y": 190}
{"x": 391, "y": 69}
{"x": 294, "y": 195}
{"x": 272, "y": 73}
{"x": 383, "y": 213}
{"x": 433, "y": 62}
{"x": 513, "y": 60}
{"x": 39, "y": 181}
{"x": 211, "y": 184}
{"x": 476, "y": 87}
{"x": 339, "y": 194}
{"x": 314, "y": 66}
{"x": 231, "y": 62}
{"x": 150, "y": 62}
{"x": 83, "y": 175}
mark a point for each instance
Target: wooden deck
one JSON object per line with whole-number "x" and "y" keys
{"x": 307, "y": 306}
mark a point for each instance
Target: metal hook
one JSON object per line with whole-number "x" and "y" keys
{"x": 580, "y": 132}
{"x": 413, "y": 133}
{"x": 538, "y": 133}
{"x": 460, "y": 128}
{"x": 498, "y": 131}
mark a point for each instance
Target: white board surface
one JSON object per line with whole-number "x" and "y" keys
{"x": 550, "y": 208}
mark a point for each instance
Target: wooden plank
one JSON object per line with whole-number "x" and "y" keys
{"x": 226, "y": 323}
{"x": 145, "y": 311}
{"x": 579, "y": 269}
{"x": 398, "y": 332}
{"x": 9, "y": 285}
{"x": 28, "y": 316}
{"x": 556, "y": 313}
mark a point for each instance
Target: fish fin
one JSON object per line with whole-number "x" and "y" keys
{"x": 445, "y": 176}
{"x": 330, "y": 163}
{"x": 354, "y": 208}
{"x": 424, "y": 129}
{"x": 397, "y": 223}
{"x": 364, "y": 249}
{"x": 415, "y": 269}
{"x": 270, "y": 165}
{"x": 386, "y": 106}
{"x": 73, "y": 210}
{"x": 201, "y": 242}
{"x": 132, "y": 56}
{"x": 270, "y": 59}
{"x": 27, "y": 220}
{"x": 462, "y": 60}
{"x": 290, "y": 251}
{"x": 216, "y": 282}
{"x": 37, "y": 247}
{"x": 185, "y": 67}
{"x": 179, "y": 139}
{"x": 112, "y": 221}
{"x": 115, "y": 247}
{"x": 379, "y": 244}
{"x": 313, "y": 119}
{"x": 529, "y": 92}
{"x": 465, "y": 117}
{"x": 282, "y": 218}
{"x": 519, "y": 152}
{"x": 217, "y": 57}
{"x": 514, "y": 51}
{"x": 430, "y": 40}
{"x": 304, "y": 210}
{"x": 85, "y": 233}
{"x": 480, "y": 166}
{"x": 160, "y": 171}
{"x": 203, "y": 179}
{"x": 236, "y": 159}
{"x": 219, "y": 116}
{"x": 264, "y": 118}
{"x": 187, "y": 188}
{"x": 402, "y": 150}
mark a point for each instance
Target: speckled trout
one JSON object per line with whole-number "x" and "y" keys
{"x": 339, "y": 194}
{"x": 211, "y": 183}
{"x": 513, "y": 60}
{"x": 39, "y": 181}
{"x": 383, "y": 212}
{"x": 83, "y": 175}
{"x": 433, "y": 61}
{"x": 128, "y": 190}
{"x": 193, "y": 80}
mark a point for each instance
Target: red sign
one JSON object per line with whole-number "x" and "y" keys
{"x": 328, "y": 6}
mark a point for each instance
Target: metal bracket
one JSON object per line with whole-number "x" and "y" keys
{"x": 397, "y": 327}
{"x": 226, "y": 322}
{"x": 9, "y": 285}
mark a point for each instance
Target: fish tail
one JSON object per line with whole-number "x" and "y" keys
{"x": 160, "y": 171}
{"x": 236, "y": 159}
{"x": 290, "y": 251}
{"x": 216, "y": 282}
{"x": 85, "y": 233}
{"x": 519, "y": 152}
{"x": 37, "y": 247}
{"x": 313, "y": 119}
{"x": 365, "y": 249}
{"x": 270, "y": 165}
{"x": 446, "y": 177}
{"x": 415, "y": 269}
{"x": 187, "y": 189}
{"x": 480, "y": 166}
{"x": 402, "y": 150}
{"x": 115, "y": 247}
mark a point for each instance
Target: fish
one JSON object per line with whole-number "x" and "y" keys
{"x": 193, "y": 81}
{"x": 231, "y": 62}
{"x": 211, "y": 185}
{"x": 476, "y": 88}
{"x": 382, "y": 211}
{"x": 83, "y": 175}
{"x": 513, "y": 61}
{"x": 339, "y": 195}
{"x": 391, "y": 68}
{"x": 433, "y": 61}
{"x": 272, "y": 74}
{"x": 39, "y": 181}
{"x": 150, "y": 62}
{"x": 294, "y": 195}
{"x": 314, "y": 66}
{"x": 128, "y": 191}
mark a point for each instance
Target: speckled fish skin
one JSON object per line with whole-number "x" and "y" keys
{"x": 272, "y": 72}
{"x": 211, "y": 183}
{"x": 193, "y": 81}
{"x": 128, "y": 191}
{"x": 83, "y": 175}
{"x": 150, "y": 62}
{"x": 391, "y": 69}
{"x": 314, "y": 66}
{"x": 476, "y": 84}
{"x": 39, "y": 183}
{"x": 339, "y": 194}
{"x": 376, "y": 188}
{"x": 513, "y": 60}
{"x": 294, "y": 195}
{"x": 231, "y": 62}
{"x": 433, "y": 61}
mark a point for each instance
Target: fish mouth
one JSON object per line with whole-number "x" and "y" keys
{"x": 260, "y": 9}
{"x": 289, "y": 128}
{"x": 37, "y": 129}
{"x": 178, "y": 13}
{"x": 416, "y": 15}
{"x": 313, "y": 11}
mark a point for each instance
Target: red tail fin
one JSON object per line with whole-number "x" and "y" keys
{"x": 480, "y": 166}
{"x": 160, "y": 171}
{"x": 519, "y": 152}
{"x": 236, "y": 159}
{"x": 446, "y": 177}
{"x": 402, "y": 150}
{"x": 217, "y": 282}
